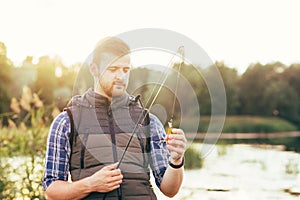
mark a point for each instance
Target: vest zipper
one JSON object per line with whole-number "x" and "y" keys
{"x": 83, "y": 143}
{"x": 83, "y": 147}
{"x": 112, "y": 133}
{"x": 113, "y": 140}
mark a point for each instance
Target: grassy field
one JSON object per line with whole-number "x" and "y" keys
{"x": 241, "y": 124}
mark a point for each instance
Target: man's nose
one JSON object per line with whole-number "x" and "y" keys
{"x": 120, "y": 74}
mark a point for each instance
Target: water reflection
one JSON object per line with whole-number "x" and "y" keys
{"x": 244, "y": 172}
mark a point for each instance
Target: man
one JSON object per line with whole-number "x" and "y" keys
{"x": 89, "y": 138}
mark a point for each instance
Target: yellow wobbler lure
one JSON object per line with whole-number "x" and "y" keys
{"x": 169, "y": 130}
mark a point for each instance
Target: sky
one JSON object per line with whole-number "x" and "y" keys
{"x": 236, "y": 32}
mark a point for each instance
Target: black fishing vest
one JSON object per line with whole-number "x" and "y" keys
{"x": 100, "y": 133}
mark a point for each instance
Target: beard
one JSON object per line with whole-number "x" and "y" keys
{"x": 115, "y": 88}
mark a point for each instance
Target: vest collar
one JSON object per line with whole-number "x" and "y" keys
{"x": 97, "y": 100}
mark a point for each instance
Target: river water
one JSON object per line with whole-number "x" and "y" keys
{"x": 243, "y": 172}
{"x": 229, "y": 172}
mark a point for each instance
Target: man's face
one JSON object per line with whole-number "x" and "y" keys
{"x": 114, "y": 77}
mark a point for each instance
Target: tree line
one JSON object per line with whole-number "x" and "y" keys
{"x": 272, "y": 89}
{"x": 266, "y": 90}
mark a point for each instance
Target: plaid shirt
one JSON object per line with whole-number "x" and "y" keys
{"x": 58, "y": 150}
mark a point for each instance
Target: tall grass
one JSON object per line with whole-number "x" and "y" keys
{"x": 22, "y": 149}
{"x": 193, "y": 158}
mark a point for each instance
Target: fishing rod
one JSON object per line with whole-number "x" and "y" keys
{"x": 170, "y": 123}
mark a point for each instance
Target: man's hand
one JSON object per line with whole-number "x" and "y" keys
{"x": 176, "y": 145}
{"x": 107, "y": 179}
{"x": 104, "y": 180}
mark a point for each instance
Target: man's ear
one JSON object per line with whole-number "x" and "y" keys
{"x": 94, "y": 69}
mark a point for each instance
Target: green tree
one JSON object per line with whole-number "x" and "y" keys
{"x": 191, "y": 85}
{"x": 291, "y": 76}
{"x": 65, "y": 82}
{"x": 46, "y": 81}
{"x": 253, "y": 85}
{"x": 230, "y": 80}
{"x": 6, "y": 79}
{"x": 281, "y": 100}
{"x": 28, "y": 76}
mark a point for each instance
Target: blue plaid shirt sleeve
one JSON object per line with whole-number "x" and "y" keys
{"x": 58, "y": 151}
{"x": 159, "y": 152}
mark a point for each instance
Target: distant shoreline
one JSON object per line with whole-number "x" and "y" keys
{"x": 243, "y": 135}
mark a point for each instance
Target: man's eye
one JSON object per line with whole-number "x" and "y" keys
{"x": 126, "y": 69}
{"x": 112, "y": 69}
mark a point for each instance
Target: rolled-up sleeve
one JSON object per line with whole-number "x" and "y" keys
{"x": 58, "y": 151}
{"x": 159, "y": 152}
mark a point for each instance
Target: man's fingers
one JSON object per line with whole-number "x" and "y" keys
{"x": 111, "y": 171}
{"x": 177, "y": 140}
{"x": 111, "y": 167}
{"x": 114, "y": 185}
{"x": 114, "y": 182}
{"x": 177, "y": 131}
{"x": 115, "y": 172}
{"x": 177, "y": 143}
{"x": 115, "y": 179}
{"x": 177, "y": 150}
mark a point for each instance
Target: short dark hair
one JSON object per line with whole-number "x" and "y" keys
{"x": 112, "y": 45}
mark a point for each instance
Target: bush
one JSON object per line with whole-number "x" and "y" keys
{"x": 192, "y": 158}
{"x": 16, "y": 142}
